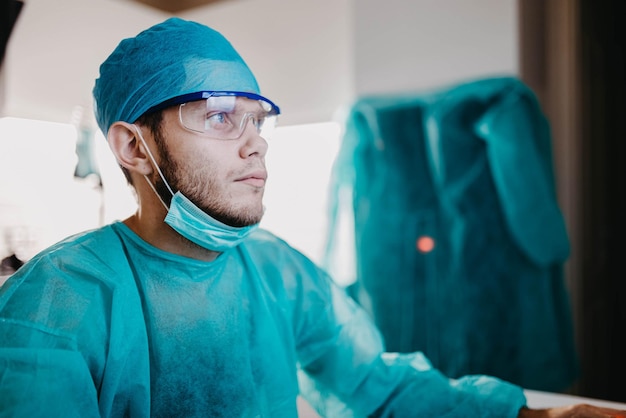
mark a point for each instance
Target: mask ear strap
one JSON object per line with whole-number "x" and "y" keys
{"x": 156, "y": 166}
{"x": 155, "y": 192}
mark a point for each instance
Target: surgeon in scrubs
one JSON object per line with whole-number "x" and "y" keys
{"x": 187, "y": 308}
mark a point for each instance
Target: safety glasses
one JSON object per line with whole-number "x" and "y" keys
{"x": 223, "y": 114}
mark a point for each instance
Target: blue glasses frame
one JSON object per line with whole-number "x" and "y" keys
{"x": 199, "y": 95}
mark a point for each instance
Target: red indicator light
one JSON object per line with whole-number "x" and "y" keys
{"x": 425, "y": 244}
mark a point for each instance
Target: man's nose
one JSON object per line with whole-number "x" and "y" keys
{"x": 254, "y": 143}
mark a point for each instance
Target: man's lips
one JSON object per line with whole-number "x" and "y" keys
{"x": 256, "y": 178}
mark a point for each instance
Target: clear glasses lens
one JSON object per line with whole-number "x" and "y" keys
{"x": 227, "y": 117}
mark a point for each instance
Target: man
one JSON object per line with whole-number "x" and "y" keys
{"x": 187, "y": 309}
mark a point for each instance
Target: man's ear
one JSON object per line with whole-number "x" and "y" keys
{"x": 128, "y": 149}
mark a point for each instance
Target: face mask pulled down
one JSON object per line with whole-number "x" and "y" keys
{"x": 192, "y": 222}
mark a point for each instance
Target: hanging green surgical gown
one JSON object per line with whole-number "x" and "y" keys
{"x": 467, "y": 170}
{"x": 104, "y": 325}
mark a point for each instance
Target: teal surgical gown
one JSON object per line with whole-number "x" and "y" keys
{"x": 468, "y": 169}
{"x": 103, "y": 324}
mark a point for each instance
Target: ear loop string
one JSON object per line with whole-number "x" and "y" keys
{"x": 157, "y": 169}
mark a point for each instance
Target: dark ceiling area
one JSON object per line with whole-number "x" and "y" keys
{"x": 10, "y": 10}
{"x": 176, "y": 6}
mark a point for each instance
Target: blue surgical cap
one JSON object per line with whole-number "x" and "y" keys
{"x": 169, "y": 59}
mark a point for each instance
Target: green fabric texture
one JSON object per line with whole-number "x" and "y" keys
{"x": 105, "y": 325}
{"x": 470, "y": 168}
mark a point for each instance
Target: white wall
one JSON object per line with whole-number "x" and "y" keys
{"x": 55, "y": 50}
{"x": 310, "y": 57}
{"x": 413, "y": 45}
{"x": 300, "y": 51}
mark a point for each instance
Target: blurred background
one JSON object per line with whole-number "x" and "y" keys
{"x": 314, "y": 59}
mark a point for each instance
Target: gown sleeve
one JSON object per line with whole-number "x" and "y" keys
{"x": 56, "y": 348}
{"x": 345, "y": 372}
{"x": 42, "y": 371}
{"x": 37, "y": 382}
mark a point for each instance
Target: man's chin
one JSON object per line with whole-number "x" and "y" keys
{"x": 240, "y": 219}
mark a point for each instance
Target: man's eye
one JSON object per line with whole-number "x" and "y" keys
{"x": 217, "y": 120}
{"x": 259, "y": 120}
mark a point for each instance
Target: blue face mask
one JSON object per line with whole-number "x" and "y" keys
{"x": 193, "y": 223}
